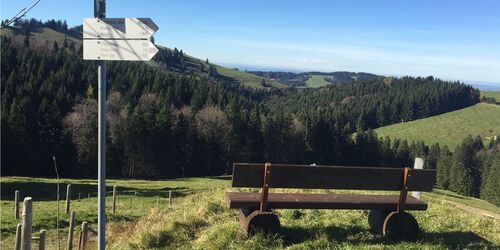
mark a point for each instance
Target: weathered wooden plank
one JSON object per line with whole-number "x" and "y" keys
{"x": 321, "y": 201}
{"x": 332, "y": 177}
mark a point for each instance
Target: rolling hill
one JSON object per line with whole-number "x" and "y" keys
{"x": 313, "y": 79}
{"x": 43, "y": 38}
{"x": 489, "y": 94}
{"x": 449, "y": 128}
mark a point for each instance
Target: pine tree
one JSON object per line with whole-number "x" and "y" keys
{"x": 433, "y": 156}
{"x": 490, "y": 190}
{"x": 443, "y": 167}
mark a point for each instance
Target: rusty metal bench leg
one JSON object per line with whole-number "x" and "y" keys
{"x": 256, "y": 221}
{"x": 244, "y": 213}
{"x": 400, "y": 225}
{"x": 376, "y": 219}
{"x": 261, "y": 220}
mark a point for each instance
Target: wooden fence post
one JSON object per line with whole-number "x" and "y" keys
{"x": 16, "y": 200}
{"x": 83, "y": 236}
{"x": 79, "y": 196}
{"x": 41, "y": 242}
{"x": 70, "y": 232}
{"x": 169, "y": 197}
{"x": 68, "y": 198}
{"x": 27, "y": 223}
{"x": 114, "y": 198}
{"x": 419, "y": 164}
{"x": 88, "y": 197}
{"x": 18, "y": 237}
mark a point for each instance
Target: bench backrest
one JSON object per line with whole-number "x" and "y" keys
{"x": 251, "y": 175}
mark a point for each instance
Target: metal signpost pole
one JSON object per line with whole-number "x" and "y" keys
{"x": 118, "y": 39}
{"x": 100, "y": 12}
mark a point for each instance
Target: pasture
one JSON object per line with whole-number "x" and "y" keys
{"x": 495, "y": 94}
{"x": 316, "y": 81}
{"x": 449, "y": 128}
{"x": 198, "y": 219}
{"x": 247, "y": 79}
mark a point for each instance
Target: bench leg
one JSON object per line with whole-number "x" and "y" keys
{"x": 376, "y": 219}
{"x": 254, "y": 221}
{"x": 401, "y": 226}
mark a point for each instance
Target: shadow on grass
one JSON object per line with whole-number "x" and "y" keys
{"x": 457, "y": 240}
{"x": 361, "y": 236}
{"x": 48, "y": 191}
{"x": 222, "y": 177}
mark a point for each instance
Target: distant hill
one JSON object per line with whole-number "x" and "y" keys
{"x": 314, "y": 79}
{"x": 490, "y": 94}
{"x": 171, "y": 60}
{"x": 449, "y": 128}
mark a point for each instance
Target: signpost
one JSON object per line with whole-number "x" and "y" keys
{"x": 122, "y": 50}
{"x": 118, "y": 28}
{"x": 121, "y": 39}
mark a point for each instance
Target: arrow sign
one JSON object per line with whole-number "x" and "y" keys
{"x": 118, "y": 50}
{"x": 118, "y": 28}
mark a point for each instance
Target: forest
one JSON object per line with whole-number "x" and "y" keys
{"x": 167, "y": 125}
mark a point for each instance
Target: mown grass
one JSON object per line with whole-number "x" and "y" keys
{"x": 449, "y": 128}
{"x": 247, "y": 79}
{"x": 198, "y": 219}
{"x": 316, "y": 81}
{"x": 495, "y": 94}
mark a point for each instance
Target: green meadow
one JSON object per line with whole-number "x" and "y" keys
{"x": 198, "y": 219}
{"x": 449, "y": 128}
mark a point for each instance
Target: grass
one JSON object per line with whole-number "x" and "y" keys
{"x": 449, "y": 128}
{"x": 316, "y": 81}
{"x": 198, "y": 219}
{"x": 440, "y": 195}
{"x": 247, "y": 79}
{"x": 495, "y": 94}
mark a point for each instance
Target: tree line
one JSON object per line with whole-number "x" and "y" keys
{"x": 165, "y": 125}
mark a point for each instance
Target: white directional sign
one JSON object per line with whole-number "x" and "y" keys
{"x": 118, "y": 28}
{"x": 118, "y": 50}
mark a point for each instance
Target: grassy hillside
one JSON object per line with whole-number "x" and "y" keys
{"x": 247, "y": 79}
{"x": 44, "y": 37}
{"x": 495, "y": 94}
{"x": 198, "y": 219}
{"x": 316, "y": 81}
{"x": 449, "y": 128}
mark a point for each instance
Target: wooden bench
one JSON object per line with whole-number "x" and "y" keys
{"x": 387, "y": 212}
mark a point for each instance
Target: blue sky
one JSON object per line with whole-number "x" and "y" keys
{"x": 457, "y": 40}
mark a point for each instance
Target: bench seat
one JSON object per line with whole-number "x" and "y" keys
{"x": 321, "y": 201}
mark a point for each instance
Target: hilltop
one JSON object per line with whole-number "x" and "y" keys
{"x": 314, "y": 79}
{"x": 168, "y": 59}
{"x": 449, "y": 128}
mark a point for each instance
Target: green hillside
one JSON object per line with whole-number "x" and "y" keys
{"x": 44, "y": 37}
{"x": 316, "y": 81}
{"x": 449, "y": 128}
{"x": 494, "y": 94}
{"x": 199, "y": 219}
{"x": 247, "y": 79}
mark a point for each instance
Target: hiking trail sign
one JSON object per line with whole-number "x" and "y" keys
{"x": 118, "y": 39}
